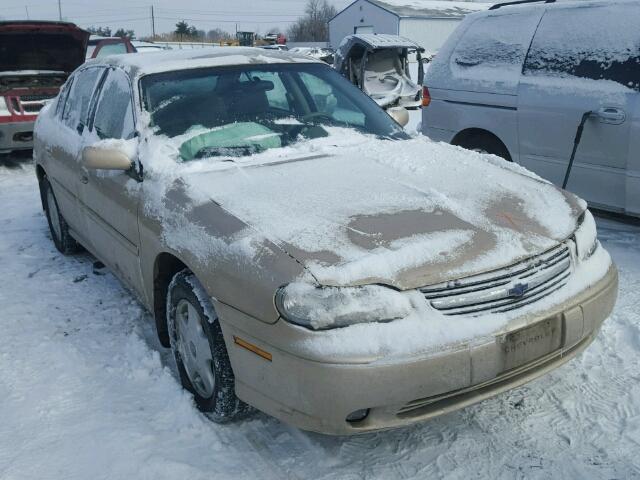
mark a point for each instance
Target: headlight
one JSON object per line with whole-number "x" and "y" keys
{"x": 320, "y": 308}
{"x": 586, "y": 236}
{"x": 4, "y": 109}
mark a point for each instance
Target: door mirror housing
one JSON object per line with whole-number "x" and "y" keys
{"x": 399, "y": 114}
{"x": 106, "y": 159}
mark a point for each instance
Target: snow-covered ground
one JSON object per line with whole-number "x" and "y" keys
{"x": 86, "y": 392}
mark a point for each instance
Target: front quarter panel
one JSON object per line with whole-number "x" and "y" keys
{"x": 237, "y": 265}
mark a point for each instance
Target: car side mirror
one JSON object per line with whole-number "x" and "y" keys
{"x": 105, "y": 159}
{"x": 399, "y": 114}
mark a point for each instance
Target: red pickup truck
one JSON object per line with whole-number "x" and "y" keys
{"x": 36, "y": 57}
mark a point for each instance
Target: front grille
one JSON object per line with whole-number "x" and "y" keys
{"x": 502, "y": 382}
{"x": 37, "y": 98}
{"x": 505, "y": 289}
{"x": 32, "y": 107}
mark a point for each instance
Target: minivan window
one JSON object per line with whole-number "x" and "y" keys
{"x": 597, "y": 43}
{"x": 77, "y": 106}
{"x": 114, "y": 114}
{"x": 494, "y": 48}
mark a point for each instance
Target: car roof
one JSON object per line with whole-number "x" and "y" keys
{"x": 527, "y": 7}
{"x": 171, "y": 60}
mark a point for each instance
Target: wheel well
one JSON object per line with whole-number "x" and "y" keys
{"x": 40, "y": 173}
{"x": 166, "y": 266}
{"x": 467, "y": 138}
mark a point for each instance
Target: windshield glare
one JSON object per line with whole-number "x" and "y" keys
{"x": 245, "y": 110}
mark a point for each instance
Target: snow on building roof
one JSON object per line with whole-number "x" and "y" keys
{"x": 431, "y": 8}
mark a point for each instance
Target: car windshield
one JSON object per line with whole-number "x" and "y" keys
{"x": 239, "y": 111}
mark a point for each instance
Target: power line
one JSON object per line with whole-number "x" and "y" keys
{"x": 227, "y": 21}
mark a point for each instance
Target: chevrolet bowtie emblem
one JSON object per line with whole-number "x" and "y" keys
{"x": 518, "y": 290}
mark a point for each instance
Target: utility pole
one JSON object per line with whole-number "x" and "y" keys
{"x": 59, "y": 10}
{"x": 153, "y": 23}
{"x": 26, "y": 9}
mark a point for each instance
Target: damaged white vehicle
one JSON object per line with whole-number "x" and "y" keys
{"x": 379, "y": 66}
{"x": 302, "y": 254}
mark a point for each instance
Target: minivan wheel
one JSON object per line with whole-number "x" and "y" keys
{"x": 199, "y": 350}
{"x": 58, "y": 227}
{"x": 485, "y": 144}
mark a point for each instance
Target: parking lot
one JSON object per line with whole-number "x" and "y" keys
{"x": 399, "y": 240}
{"x": 89, "y": 393}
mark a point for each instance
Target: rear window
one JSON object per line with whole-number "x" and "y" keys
{"x": 493, "y": 49}
{"x": 597, "y": 43}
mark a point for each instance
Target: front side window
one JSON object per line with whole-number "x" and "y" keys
{"x": 114, "y": 114}
{"x": 238, "y": 111}
{"x": 597, "y": 43}
{"x": 76, "y": 107}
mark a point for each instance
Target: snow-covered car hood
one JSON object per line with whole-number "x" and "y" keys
{"x": 403, "y": 213}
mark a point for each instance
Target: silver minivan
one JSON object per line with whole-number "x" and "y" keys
{"x": 539, "y": 82}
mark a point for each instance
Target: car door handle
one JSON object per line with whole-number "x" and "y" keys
{"x": 84, "y": 179}
{"x": 611, "y": 115}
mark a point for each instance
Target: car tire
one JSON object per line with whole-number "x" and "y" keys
{"x": 199, "y": 350}
{"x": 58, "y": 226}
{"x": 486, "y": 144}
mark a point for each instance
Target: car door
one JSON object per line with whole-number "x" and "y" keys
{"x": 110, "y": 198}
{"x": 581, "y": 60}
{"x": 63, "y": 148}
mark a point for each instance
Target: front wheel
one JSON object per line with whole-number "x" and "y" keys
{"x": 199, "y": 350}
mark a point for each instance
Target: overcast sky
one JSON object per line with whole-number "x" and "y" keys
{"x": 251, "y": 15}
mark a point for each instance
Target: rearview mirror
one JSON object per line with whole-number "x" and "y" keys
{"x": 399, "y": 114}
{"x": 105, "y": 159}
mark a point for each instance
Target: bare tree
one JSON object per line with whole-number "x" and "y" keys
{"x": 313, "y": 26}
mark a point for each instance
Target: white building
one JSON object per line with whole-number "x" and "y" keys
{"x": 426, "y": 22}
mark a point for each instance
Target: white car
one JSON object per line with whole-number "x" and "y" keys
{"x": 519, "y": 80}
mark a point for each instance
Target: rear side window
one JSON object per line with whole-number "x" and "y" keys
{"x": 114, "y": 113}
{"x": 111, "y": 49}
{"x": 493, "y": 48}
{"x": 597, "y": 43}
{"x": 79, "y": 97}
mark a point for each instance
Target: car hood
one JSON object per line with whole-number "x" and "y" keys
{"x": 41, "y": 46}
{"x": 402, "y": 213}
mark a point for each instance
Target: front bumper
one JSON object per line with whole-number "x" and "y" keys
{"x": 318, "y": 396}
{"x": 16, "y": 136}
